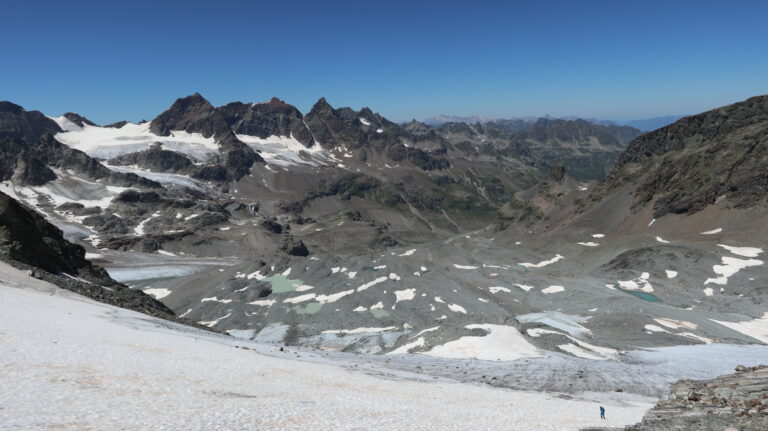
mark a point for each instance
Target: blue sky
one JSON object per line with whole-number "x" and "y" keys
{"x": 114, "y": 60}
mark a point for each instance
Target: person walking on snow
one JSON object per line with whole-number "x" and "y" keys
{"x": 602, "y": 412}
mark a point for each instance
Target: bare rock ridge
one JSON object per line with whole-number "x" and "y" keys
{"x": 273, "y": 118}
{"x": 698, "y": 160}
{"x": 732, "y": 402}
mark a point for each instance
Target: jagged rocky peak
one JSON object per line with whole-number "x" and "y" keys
{"x": 193, "y": 114}
{"x": 78, "y": 119}
{"x": 16, "y": 122}
{"x": 272, "y": 118}
{"x": 321, "y": 105}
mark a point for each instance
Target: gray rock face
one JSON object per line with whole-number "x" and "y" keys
{"x": 26, "y": 237}
{"x": 366, "y": 133}
{"x": 273, "y": 118}
{"x": 684, "y": 167}
{"x": 17, "y": 123}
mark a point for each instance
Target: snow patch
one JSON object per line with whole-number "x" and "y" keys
{"x": 405, "y": 295}
{"x": 110, "y": 142}
{"x": 553, "y": 289}
{"x": 503, "y": 343}
{"x": 157, "y": 293}
{"x": 756, "y": 328}
{"x": 543, "y": 263}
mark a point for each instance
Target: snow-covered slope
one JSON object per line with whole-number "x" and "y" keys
{"x": 110, "y": 142}
{"x": 70, "y": 363}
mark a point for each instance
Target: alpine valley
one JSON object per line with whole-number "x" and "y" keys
{"x": 596, "y": 257}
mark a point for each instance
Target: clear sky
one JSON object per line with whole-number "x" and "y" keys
{"x": 114, "y": 60}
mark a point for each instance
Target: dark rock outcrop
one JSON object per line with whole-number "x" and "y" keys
{"x": 19, "y": 124}
{"x": 273, "y": 118}
{"x": 732, "y": 402}
{"x": 27, "y": 237}
{"x": 294, "y": 247}
{"x": 155, "y": 159}
{"x": 78, "y": 119}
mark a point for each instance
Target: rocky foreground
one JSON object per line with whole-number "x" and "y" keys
{"x": 728, "y": 403}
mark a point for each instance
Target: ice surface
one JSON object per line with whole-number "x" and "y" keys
{"x": 65, "y": 124}
{"x": 565, "y": 322}
{"x": 162, "y": 178}
{"x": 287, "y": 151}
{"x": 110, "y": 142}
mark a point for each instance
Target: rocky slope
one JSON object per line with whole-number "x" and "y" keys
{"x": 682, "y": 168}
{"x": 28, "y": 241}
{"x": 732, "y": 402}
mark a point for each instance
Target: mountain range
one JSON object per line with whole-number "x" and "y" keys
{"x": 340, "y": 229}
{"x": 644, "y": 125}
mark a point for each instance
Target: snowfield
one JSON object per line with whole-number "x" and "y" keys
{"x": 71, "y": 363}
{"x": 110, "y": 142}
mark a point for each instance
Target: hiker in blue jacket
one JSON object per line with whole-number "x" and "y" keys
{"x": 602, "y": 412}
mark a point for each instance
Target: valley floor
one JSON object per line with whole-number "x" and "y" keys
{"x": 71, "y": 363}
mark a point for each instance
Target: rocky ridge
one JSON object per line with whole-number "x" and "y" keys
{"x": 732, "y": 402}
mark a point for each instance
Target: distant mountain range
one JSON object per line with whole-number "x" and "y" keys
{"x": 644, "y": 125}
